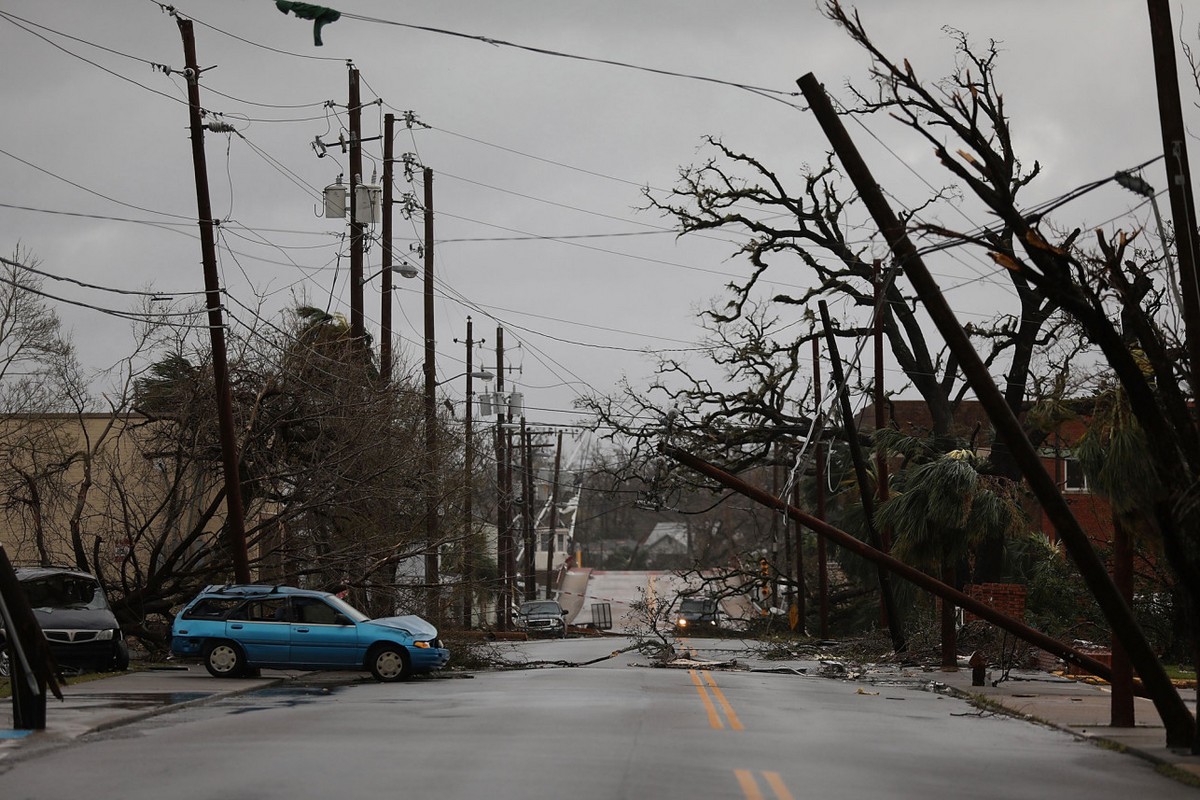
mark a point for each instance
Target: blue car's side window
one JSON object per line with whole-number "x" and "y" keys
{"x": 268, "y": 610}
{"x": 314, "y": 611}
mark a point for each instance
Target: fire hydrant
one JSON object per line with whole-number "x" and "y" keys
{"x": 978, "y": 664}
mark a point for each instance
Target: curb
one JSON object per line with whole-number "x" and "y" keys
{"x": 1099, "y": 741}
{"x": 40, "y": 742}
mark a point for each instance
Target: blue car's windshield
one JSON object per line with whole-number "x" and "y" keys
{"x": 350, "y": 611}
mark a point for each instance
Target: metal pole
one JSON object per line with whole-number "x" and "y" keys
{"x": 235, "y": 522}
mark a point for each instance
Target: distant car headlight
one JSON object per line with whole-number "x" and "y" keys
{"x": 681, "y": 622}
{"x": 104, "y": 636}
{"x": 423, "y": 645}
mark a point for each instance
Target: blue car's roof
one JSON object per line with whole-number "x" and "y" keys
{"x": 255, "y": 589}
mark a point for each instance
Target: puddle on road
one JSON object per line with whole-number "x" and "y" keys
{"x": 132, "y": 701}
{"x": 287, "y": 696}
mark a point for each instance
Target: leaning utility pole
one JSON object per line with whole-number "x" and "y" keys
{"x": 432, "y": 576}
{"x": 1179, "y": 183}
{"x": 886, "y": 595}
{"x": 357, "y": 328}
{"x": 911, "y": 574}
{"x": 235, "y": 523}
{"x": 1177, "y": 718}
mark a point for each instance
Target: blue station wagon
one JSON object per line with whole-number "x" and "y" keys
{"x": 240, "y": 627}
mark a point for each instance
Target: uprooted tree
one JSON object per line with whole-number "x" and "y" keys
{"x": 331, "y": 461}
{"x": 1101, "y": 295}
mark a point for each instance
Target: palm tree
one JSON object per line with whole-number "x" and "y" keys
{"x": 941, "y": 509}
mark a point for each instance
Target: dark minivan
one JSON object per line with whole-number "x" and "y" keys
{"x": 78, "y": 623}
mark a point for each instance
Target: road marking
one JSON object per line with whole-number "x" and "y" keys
{"x": 750, "y": 788}
{"x": 714, "y": 719}
{"x": 749, "y": 785}
{"x": 776, "y": 782}
{"x": 734, "y": 722}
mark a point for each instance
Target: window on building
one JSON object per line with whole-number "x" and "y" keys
{"x": 1074, "y": 480}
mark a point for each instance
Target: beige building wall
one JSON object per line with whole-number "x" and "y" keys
{"x": 103, "y": 471}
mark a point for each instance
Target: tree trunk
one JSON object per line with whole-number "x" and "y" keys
{"x": 949, "y": 634}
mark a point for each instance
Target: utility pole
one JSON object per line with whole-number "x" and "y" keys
{"x": 513, "y": 590}
{"x": 822, "y": 556}
{"x": 887, "y": 598}
{"x": 385, "y": 304}
{"x": 881, "y": 467}
{"x": 357, "y": 328}
{"x": 553, "y": 518}
{"x": 527, "y": 513}
{"x": 800, "y": 600}
{"x": 1177, "y": 718}
{"x": 432, "y": 575}
{"x": 468, "y": 541}
{"x": 235, "y": 523}
{"x": 503, "y": 513}
{"x": 1179, "y": 178}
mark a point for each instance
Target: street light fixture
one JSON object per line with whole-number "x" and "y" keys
{"x": 479, "y": 374}
{"x": 405, "y": 269}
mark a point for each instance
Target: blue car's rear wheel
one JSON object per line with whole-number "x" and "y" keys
{"x": 388, "y": 663}
{"x": 224, "y": 659}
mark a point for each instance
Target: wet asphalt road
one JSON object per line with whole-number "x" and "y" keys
{"x": 611, "y": 730}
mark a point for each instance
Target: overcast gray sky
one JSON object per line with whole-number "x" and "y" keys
{"x": 529, "y": 151}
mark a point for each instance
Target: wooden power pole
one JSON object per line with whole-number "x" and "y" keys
{"x": 235, "y": 522}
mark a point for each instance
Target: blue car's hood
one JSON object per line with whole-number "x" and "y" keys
{"x": 419, "y": 628}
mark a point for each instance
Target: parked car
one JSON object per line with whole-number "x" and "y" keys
{"x": 75, "y": 616}
{"x": 696, "y": 612}
{"x": 542, "y": 616}
{"x": 241, "y": 627}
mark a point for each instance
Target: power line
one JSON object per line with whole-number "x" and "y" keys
{"x": 174, "y": 12}
{"x": 52, "y": 276}
{"x": 59, "y": 47}
{"x": 770, "y": 94}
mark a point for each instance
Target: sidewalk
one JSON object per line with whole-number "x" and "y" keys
{"x": 1079, "y": 708}
{"x": 109, "y": 702}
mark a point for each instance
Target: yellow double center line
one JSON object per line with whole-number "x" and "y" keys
{"x": 750, "y": 786}
{"x": 714, "y": 718}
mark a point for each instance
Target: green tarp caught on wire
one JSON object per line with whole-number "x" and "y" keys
{"x": 320, "y": 15}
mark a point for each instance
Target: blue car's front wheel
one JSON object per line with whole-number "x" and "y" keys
{"x": 388, "y": 663}
{"x": 224, "y": 659}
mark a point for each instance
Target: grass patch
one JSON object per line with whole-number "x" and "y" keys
{"x": 1176, "y": 774}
